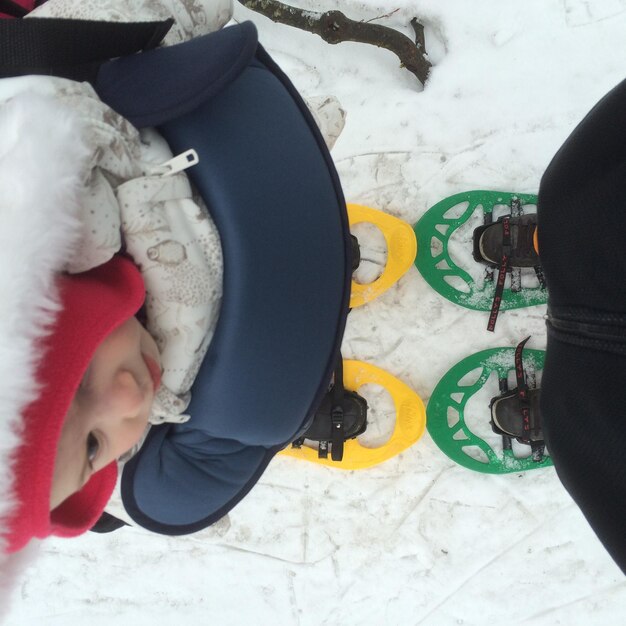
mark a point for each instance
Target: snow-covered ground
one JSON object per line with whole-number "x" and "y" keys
{"x": 417, "y": 540}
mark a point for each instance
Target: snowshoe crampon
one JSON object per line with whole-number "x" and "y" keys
{"x": 514, "y": 413}
{"x": 401, "y": 251}
{"x": 349, "y": 453}
{"x": 434, "y": 231}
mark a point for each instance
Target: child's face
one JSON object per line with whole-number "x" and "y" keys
{"x": 110, "y": 411}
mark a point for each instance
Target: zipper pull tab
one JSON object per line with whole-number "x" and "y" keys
{"x": 179, "y": 163}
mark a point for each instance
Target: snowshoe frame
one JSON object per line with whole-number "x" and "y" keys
{"x": 434, "y": 262}
{"x": 446, "y": 421}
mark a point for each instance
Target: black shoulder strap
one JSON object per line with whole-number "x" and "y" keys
{"x": 72, "y": 49}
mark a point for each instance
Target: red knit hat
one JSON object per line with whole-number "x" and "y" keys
{"x": 94, "y": 304}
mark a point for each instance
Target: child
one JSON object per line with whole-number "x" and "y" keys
{"x": 98, "y": 375}
{"x": 41, "y": 160}
{"x": 93, "y": 360}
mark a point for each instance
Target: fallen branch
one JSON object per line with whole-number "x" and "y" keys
{"x": 334, "y": 27}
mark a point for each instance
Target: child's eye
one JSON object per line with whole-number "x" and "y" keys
{"x": 93, "y": 445}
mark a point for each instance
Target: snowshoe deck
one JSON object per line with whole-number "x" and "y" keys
{"x": 434, "y": 262}
{"x": 401, "y": 251}
{"x": 446, "y": 412}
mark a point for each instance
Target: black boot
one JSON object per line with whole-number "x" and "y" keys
{"x": 488, "y": 242}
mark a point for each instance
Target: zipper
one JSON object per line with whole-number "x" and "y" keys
{"x": 178, "y": 164}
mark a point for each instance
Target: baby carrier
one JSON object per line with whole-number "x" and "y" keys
{"x": 268, "y": 180}
{"x": 270, "y": 361}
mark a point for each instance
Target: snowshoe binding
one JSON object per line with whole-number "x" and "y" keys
{"x": 509, "y": 246}
{"x": 342, "y": 417}
{"x": 492, "y": 246}
{"x": 514, "y": 413}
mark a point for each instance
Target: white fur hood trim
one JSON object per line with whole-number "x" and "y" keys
{"x": 42, "y": 156}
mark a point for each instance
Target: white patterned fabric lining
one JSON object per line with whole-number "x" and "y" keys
{"x": 193, "y": 18}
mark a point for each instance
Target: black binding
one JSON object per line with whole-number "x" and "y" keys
{"x": 508, "y": 255}
{"x": 341, "y": 416}
{"x": 522, "y": 419}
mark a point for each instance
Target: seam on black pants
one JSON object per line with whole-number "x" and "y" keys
{"x": 600, "y": 331}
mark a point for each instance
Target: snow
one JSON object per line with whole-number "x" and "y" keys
{"x": 417, "y": 540}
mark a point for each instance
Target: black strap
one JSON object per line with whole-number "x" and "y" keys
{"x": 107, "y": 524}
{"x": 540, "y": 276}
{"x": 504, "y": 266}
{"x": 71, "y": 48}
{"x": 337, "y": 415}
{"x": 11, "y": 8}
{"x": 342, "y": 415}
{"x": 522, "y": 388}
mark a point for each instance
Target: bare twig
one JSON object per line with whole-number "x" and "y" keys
{"x": 380, "y": 17}
{"x": 334, "y": 27}
{"x": 420, "y": 40}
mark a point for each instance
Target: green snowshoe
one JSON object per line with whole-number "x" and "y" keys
{"x": 514, "y": 413}
{"x": 505, "y": 243}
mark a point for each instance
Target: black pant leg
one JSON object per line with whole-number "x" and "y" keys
{"x": 583, "y": 400}
{"x": 582, "y": 236}
{"x": 582, "y": 212}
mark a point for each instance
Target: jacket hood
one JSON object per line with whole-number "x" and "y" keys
{"x": 42, "y": 157}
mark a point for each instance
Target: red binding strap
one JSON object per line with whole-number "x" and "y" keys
{"x": 504, "y": 266}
